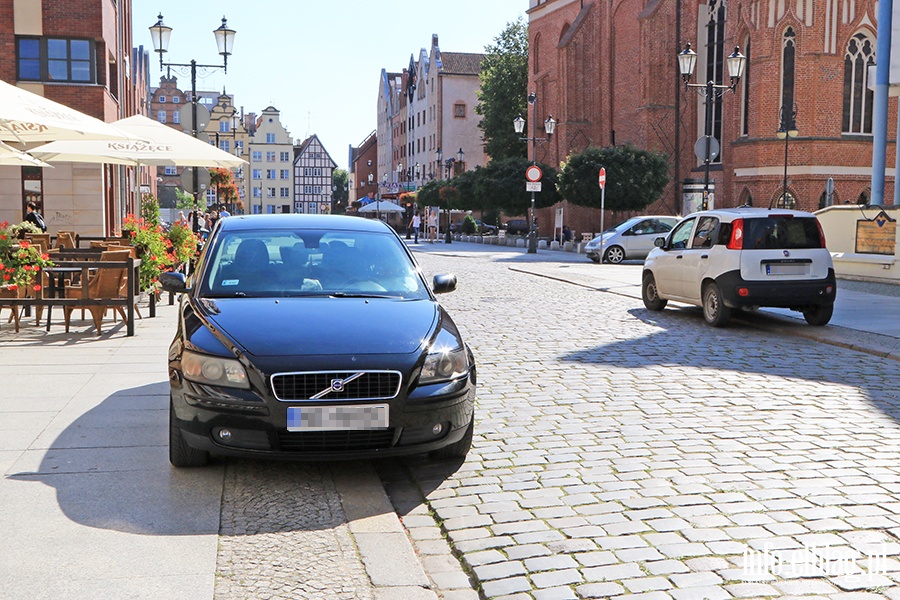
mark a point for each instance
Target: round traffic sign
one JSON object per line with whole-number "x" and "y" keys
{"x": 533, "y": 173}
{"x": 602, "y": 178}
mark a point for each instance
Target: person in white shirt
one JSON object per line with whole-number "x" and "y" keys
{"x": 432, "y": 225}
{"x": 415, "y": 224}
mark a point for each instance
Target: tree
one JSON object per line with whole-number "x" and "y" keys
{"x": 504, "y": 87}
{"x": 226, "y": 190}
{"x": 634, "y": 178}
{"x": 501, "y": 185}
{"x": 340, "y": 185}
{"x": 186, "y": 201}
{"x": 430, "y": 193}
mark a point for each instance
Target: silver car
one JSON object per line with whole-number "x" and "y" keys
{"x": 630, "y": 239}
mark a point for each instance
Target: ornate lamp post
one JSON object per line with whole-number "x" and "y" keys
{"x": 787, "y": 129}
{"x": 687, "y": 60}
{"x": 549, "y": 128}
{"x": 160, "y": 34}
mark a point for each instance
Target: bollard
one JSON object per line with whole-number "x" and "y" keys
{"x": 554, "y": 245}
{"x": 542, "y": 244}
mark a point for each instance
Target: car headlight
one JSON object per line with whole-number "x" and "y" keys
{"x": 446, "y": 360}
{"x": 214, "y": 370}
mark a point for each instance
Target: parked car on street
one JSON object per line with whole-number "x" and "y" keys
{"x": 315, "y": 337}
{"x": 517, "y": 227}
{"x": 486, "y": 228}
{"x": 629, "y": 239}
{"x": 743, "y": 258}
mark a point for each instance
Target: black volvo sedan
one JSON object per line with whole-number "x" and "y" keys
{"x": 315, "y": 337}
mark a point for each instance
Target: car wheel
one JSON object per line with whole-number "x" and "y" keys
{"x": 180, "y": 453}
{"x": 457, "y": 449}
{"x": 715, "y": 313}
{"x": 818, "y": 315}
{"x": 614, "y": 255}
{"x": 649, "y": 294}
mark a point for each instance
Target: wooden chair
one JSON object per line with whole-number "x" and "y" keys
{"x": 39, "y": 239}
{"x": 106, "y": 284}
{"x": 7, "y": 293}
{"x": 65, "y": 239}
{"x": 132, "y": 252}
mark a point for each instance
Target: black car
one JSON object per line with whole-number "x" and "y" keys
{"x": 517, "y": 227}
{"x": 315, "y": 337}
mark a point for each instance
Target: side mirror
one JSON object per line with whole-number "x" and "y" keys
{"x": 443, "y": 283}
{"x": 659, "y": 242}
{"x": 173, "y": 282}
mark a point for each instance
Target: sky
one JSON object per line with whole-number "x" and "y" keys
{"x": 317, "y": 61}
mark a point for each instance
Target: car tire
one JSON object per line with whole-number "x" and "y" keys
{"x": 715, "y": 313}
{"x": 182, "y": 455}
{"x": 614, "y": 255}
{"x": 457, "y": 449}
{"x": 818, "y": 315}
{"x": 649, "y": 294}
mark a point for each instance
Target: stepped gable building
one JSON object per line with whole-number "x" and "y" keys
{"x": 608, "y": 73}
{"x": 313, "y": 171}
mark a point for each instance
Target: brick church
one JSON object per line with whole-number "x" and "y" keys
{"x": 607, "y": 71}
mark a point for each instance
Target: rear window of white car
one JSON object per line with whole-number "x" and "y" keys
{"x": 782, "y": 233}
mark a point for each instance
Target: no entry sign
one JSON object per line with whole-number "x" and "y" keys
{"x": 602, "y": 178}
{"x": 533, "y": 173}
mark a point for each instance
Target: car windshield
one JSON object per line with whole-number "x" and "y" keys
{"x": 781, "y": 233}
{"x": 263, "y": 263}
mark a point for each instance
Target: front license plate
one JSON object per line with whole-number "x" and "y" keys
{"x": 330, "y": 418}
{"x": 787, "y": 269}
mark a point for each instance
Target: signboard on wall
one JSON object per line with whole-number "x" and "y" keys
{"x": 878, "y": 236}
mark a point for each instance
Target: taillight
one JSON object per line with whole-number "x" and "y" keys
{"x": 821, "y": 234}
{"x": 737, "y": 235}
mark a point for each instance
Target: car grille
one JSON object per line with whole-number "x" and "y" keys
{"x": 335, "y": 441}
{"x": 336, "y": 385}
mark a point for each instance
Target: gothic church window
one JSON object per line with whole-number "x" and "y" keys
{"x": 858, "y": 97}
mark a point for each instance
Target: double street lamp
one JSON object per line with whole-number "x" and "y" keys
{"x": 160, "y": 34}
{"x": 687, "y": 60}
{"x": 787, "y": 129}
{"x": 549, "y": 128}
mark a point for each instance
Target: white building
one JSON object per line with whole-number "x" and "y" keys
{"x": 271, "y": 159}
{"x": 313, "y": 171}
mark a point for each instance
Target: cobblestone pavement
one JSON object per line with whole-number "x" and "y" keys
{"x": 622, "y": 452}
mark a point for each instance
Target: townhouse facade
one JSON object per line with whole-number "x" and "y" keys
{"x": 271, "y": 158}
{"x": 313, "y": 172}
{"x": 607, "y": 71}
{"x": 78, "y": 53}
{"x": 364, "y": 168}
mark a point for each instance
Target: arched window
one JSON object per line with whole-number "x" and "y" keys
{"x": 745, "y": 97}
{"x": 788, "y": 54}
{"x": 536, "y": 54}
{"x": 857, "y": 95}
{"x": 715, "y": 61}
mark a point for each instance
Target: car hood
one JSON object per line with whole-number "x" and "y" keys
{"x": 322, "y": 326}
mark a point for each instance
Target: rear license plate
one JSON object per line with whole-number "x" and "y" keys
{"x": 787, "y": 269}
{"x": 325, "y": 418}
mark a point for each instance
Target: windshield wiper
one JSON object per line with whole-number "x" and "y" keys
{"x": 358, "y": 295}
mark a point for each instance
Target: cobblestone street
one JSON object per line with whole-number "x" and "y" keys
{"x": 620, "y": 451}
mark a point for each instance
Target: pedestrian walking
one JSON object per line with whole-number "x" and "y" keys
{"x": 432, "y": 225}
{"x": 415, "y": 224}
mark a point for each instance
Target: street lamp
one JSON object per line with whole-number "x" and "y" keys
{"x": 160, "y": 34}
{"x": 787, "y": 129}
{"x": 549, "y": 127}
{"x": 439, "y": 156}
{"x": 687, "y": 60}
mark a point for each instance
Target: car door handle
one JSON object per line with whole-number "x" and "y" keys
{"x": 704, "y": 256}
{"x": 680, "y": 256}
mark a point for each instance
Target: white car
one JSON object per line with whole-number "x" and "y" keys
{"x": 743, "y": 258}
{"x": 630, "y": 239}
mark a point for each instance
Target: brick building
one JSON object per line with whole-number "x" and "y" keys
{"x": 78, "y": 53}
{"x": 607, "y": 71}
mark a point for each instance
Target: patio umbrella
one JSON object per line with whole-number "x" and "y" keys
{"x": 162, "y": 146}
{"x": 26, "y": 117}
{"x": 385, "y": 206}
{"x": 9, "y": 156}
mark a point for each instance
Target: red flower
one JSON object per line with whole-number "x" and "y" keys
{"x": 37, "y": 287}
{"x": 13, "y": 286}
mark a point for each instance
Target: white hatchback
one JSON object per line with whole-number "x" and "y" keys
{"x": 743, "y": 258}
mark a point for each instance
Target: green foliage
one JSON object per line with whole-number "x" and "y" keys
{"x": 186, "y": 201}
{"x": 430, "y": 193}
{"x": 501, "y": 186}
{"x": 340, "y": 181}
{"x": 469, "y": 226}
{"x": 20, "y": 229}
{"x": 634, "y": 178}
{"x": 502, "y": 96}
{"x": 20, "y": 261}
{"x": 466, "y": 184}
{"x": 449, "y": 196}
{"x": 150, "y": 209}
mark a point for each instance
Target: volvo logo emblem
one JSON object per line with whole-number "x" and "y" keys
{"x": 337, "y": 385}
{"x": 786, "y": 253}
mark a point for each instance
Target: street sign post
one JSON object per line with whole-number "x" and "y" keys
{"x": 532, "y": 186}
{"x": 533, "y": 173}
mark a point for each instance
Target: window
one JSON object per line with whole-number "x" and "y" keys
{"x": 257, "y": 192}
{"x": 536, "y": 54}
{"x": 257, "y": 173}
{"x": 285, "y": 173}
{"x": 858, "y": 97}
{"x": 171, "y": 170}
{"x": 270, "y": 173}
{"x": 176, "y": 117}
{"x": 239, "y": 146}
{"x": 161, "y": 116}
{"x": 307, "y": 189}
{"x": 225, "y": 145}
{"x": 270, "y": 138}
{"x": 285, "y": 157}
{"x": 745, "y": 112}
{"x": 270, "y": 192}
{"x": 257, "y": 156}
{"x": 285, "y": 192}
{"x": 224, "y": 126}
{"x": 162, "y": 99}
{"x": 270, "y": 157}
{"x": 788, "y": 52}
{"x": 459, "y": 110}
{"x": 175, "y": 99}
{"x": 715, "y": 64}
{"x": 55, "y": 59}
